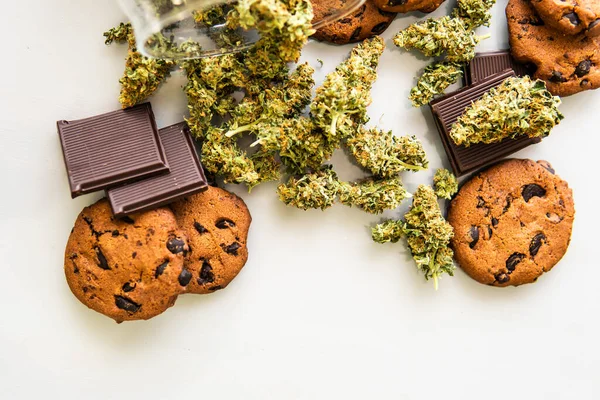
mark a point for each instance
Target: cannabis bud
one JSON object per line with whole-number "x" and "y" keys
{"x": 427, "y": 233}
{"x": 142, "y": 75}
{"x": 519, "y": 106}
{"x": 386, "y": 155}
{"x": 445, "y": 184}
{"x": 436, "y": 36}
{"x": 340, "y": 104}
{"x": 475, "y": 13}
{"x": 434, "y": 81}
{"x": 373, "y": 195}
{"x": 316, "y": 190}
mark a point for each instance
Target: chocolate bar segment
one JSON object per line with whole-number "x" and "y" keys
{"x": 107, "y": 150}
{"x": 446, "y": 111}
{"x": 185, "y": 176}
{"x": 493, "y": 62}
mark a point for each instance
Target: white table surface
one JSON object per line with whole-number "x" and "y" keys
{"x": 319, "y": 311}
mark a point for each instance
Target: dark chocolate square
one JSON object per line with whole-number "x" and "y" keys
{"x": 110, "y": 149}
{"x": 493, "y": 62}
{"x": 185, "y": 176}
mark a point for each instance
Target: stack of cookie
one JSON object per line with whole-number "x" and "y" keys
{"x": 561, "y": 38}
{"x": 371, "y": 19}
{"x": 135, "y": 267}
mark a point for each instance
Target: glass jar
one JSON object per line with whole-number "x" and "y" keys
{"x": 188, "y": 29}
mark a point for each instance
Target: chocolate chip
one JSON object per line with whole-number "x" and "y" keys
{"x": 128, "y": 220}
{"x": 584, "y": 82}
{"x": 547, "y": 166}
{"x": 554, "y": 217}
{"x": 360, "y": 11}
{"x": 115, "y": 233}
{"x": 134, "y": 254}
{"x": 386, "y": 13}
{"x": 507, "y": 205}
{"x": 356, "y": 34}
{"x": 126, "y": 304}
{"x": 225, "y": 223}
{"x": 494, "y": 222}
{"x": 573, "y": 18}
{"x": 75, "y": 267}
{"x": 490, "y": 232}
{"x": 480, "y": 202}
{"x": 583, "y": 68}
{"x": 201, "y": 230}
{"x": 513, "y": 261}
{"x": 379, "y": 28}
{"x": 128, "y": 287}
{"x": 184, "y": 277}
{"x": 206, "y": 274}
{"x": 161, "y": 269}
{"x": 176, "y": 245}
{"x": 474, "y": 233}
{"x": 394, "y": 3}
{"x": 536, "y": 243}
{"x": 502, "y": 277}
{"x": 102, "y": 263}
{"x": 532, "y": 190}
{"x": 594, "y": 24}
{"x": 215, "y": 288}
{"x": 232, "y": 248}
{"x": 557, "y": 77}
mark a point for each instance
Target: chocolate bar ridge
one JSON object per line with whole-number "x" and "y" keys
{"x": 109, "y": 149}
{"x": 490, "y": 63}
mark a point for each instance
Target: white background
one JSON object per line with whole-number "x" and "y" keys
{"x": 319, "y": 311}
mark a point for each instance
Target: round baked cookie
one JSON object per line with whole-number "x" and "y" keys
{"x": 568, "y": 64}
{"x": 366, "y": 22}
{"x": 512, "y": 222}
{"x": 217, "y": 224}
{"x": 125, "y": 269}
{"x": 571, "y": 17}
{"x": 405, "y": 6}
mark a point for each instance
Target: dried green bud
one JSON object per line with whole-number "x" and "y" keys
{"x": 373, "y": 195}
{"x": 286, "y": 100}
{"x": 340, "y": 105}
{"x": 316, "y": 190}
{"x": 519, "y": 106}
{"x": 267, "y": 167}
{"x": 386, "y": 155}
{"x": 142, "y": 75}
{"x": 300, "y": 145}
{"x": 445, "y": 184}
{"x": 434, "y": 81}
{"x": 212, "y": 16}
{"x": 436, "y": 36}
{"x": 388, "y": 231}
{"x": 428, "y": 235}
{"x": 475, "y": 13}
{"x": 221, "y": 156}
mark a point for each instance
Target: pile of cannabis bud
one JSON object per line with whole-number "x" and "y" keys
{"x": 293, "y": 135}
{"x": 450, "y": 36}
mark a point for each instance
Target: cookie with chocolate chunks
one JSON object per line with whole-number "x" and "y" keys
{"x": 216, "y": 223}
{"x": 571, "y": 17}
{"x": 512, "y": 222}
{"x": 127, "y": 269}
{"x": 405, "y": 6}
{"x": 366, "y": 22}
{"x": 568, "y": 64}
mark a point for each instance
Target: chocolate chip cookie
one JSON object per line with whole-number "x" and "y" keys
{"x": 571, "y": 17}
{"x": 512, "y": 222}
{"x": 217, "y": 224}
{"x": 404, "y": 6}
{"x": 366, "y": 22}
{"x": 126, "y": 269}
{"x": 568, "y": 64}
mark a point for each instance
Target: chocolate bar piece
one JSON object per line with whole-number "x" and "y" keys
{"x": 110, "y": 149}
{"x": 493, "y": 62}
{"x": 185, "y": 176}
{"x": 446, "y": 111}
